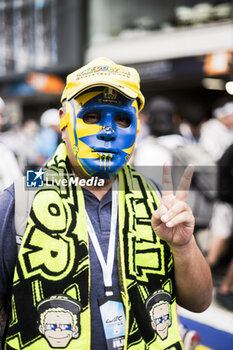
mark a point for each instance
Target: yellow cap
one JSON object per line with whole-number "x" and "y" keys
{"x": 103, "y": 71}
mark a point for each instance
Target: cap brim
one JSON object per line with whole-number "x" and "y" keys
{"x": 122, "y": 89}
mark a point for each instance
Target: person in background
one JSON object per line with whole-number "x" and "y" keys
{"x": 219, "y": 127}
{"x": 193, "y": 116}
{"x": 27, "y": 145}
{"x": 224, "y": 294}
{"x": 9, "y": 167}
{"x": 216, "y": 137}
{"x": 163, "y": 138}
{"x": 49, "y": 135}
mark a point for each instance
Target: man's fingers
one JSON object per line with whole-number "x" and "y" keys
{"x": 167, "y": 186}
{"x": 177, "y": 208}
{"x": 183, "y": 218}
{"x": 184, "y": 185}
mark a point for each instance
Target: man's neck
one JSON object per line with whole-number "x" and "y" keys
{"x": 100, "y": 191}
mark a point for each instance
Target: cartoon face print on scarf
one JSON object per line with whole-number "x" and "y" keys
{"x": 102, "y": 126}
{"x": 158, "y": 308}
{"x": 59, "y": 320}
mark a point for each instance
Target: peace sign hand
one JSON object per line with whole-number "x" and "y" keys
{"x": 173, "y": 221}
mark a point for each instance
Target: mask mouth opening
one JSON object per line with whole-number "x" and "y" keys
{"x": 104, "y": 151}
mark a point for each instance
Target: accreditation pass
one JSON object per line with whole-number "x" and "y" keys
{"x": 114, "y": 323}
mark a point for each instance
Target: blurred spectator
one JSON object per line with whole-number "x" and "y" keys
{"x": 222, "y": 220}
{"x": 9, "y": 168}
{"x": 225, "y": 193}
{"x": 216, "y": 137}
{"x": 219, "y": 128}
{"x": 27, "y": 145}
{"x": 2, "y": 108}
{"x": 164, "y": 137}
{"x": 193, "y": 117}
{"x": 225, "y": 176}
{"x": 224, "y": 294}
{"x": 49, "y": 135}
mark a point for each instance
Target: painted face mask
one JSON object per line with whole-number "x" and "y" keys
{"x": 102, "y": 126}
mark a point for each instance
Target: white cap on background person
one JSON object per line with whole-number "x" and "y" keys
{"x": 50, "y": 118}
{"x": 225, "y": 110}
{"x": 2, "y": 104}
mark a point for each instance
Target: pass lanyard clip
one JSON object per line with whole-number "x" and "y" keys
{"x": 107, "y": 267}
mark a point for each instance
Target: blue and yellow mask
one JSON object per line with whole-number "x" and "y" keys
{"x": 102, "y": 126}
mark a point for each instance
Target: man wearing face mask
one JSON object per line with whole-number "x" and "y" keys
{"x": 108, "y": 247}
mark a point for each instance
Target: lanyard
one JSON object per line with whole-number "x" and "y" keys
{"x": 106, "y": 267}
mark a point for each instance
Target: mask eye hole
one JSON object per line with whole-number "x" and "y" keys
{"x": 91, "y": 118}
{"x": 122, "y": 121}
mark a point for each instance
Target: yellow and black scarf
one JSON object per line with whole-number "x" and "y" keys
{"x": 53, "y": 263}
